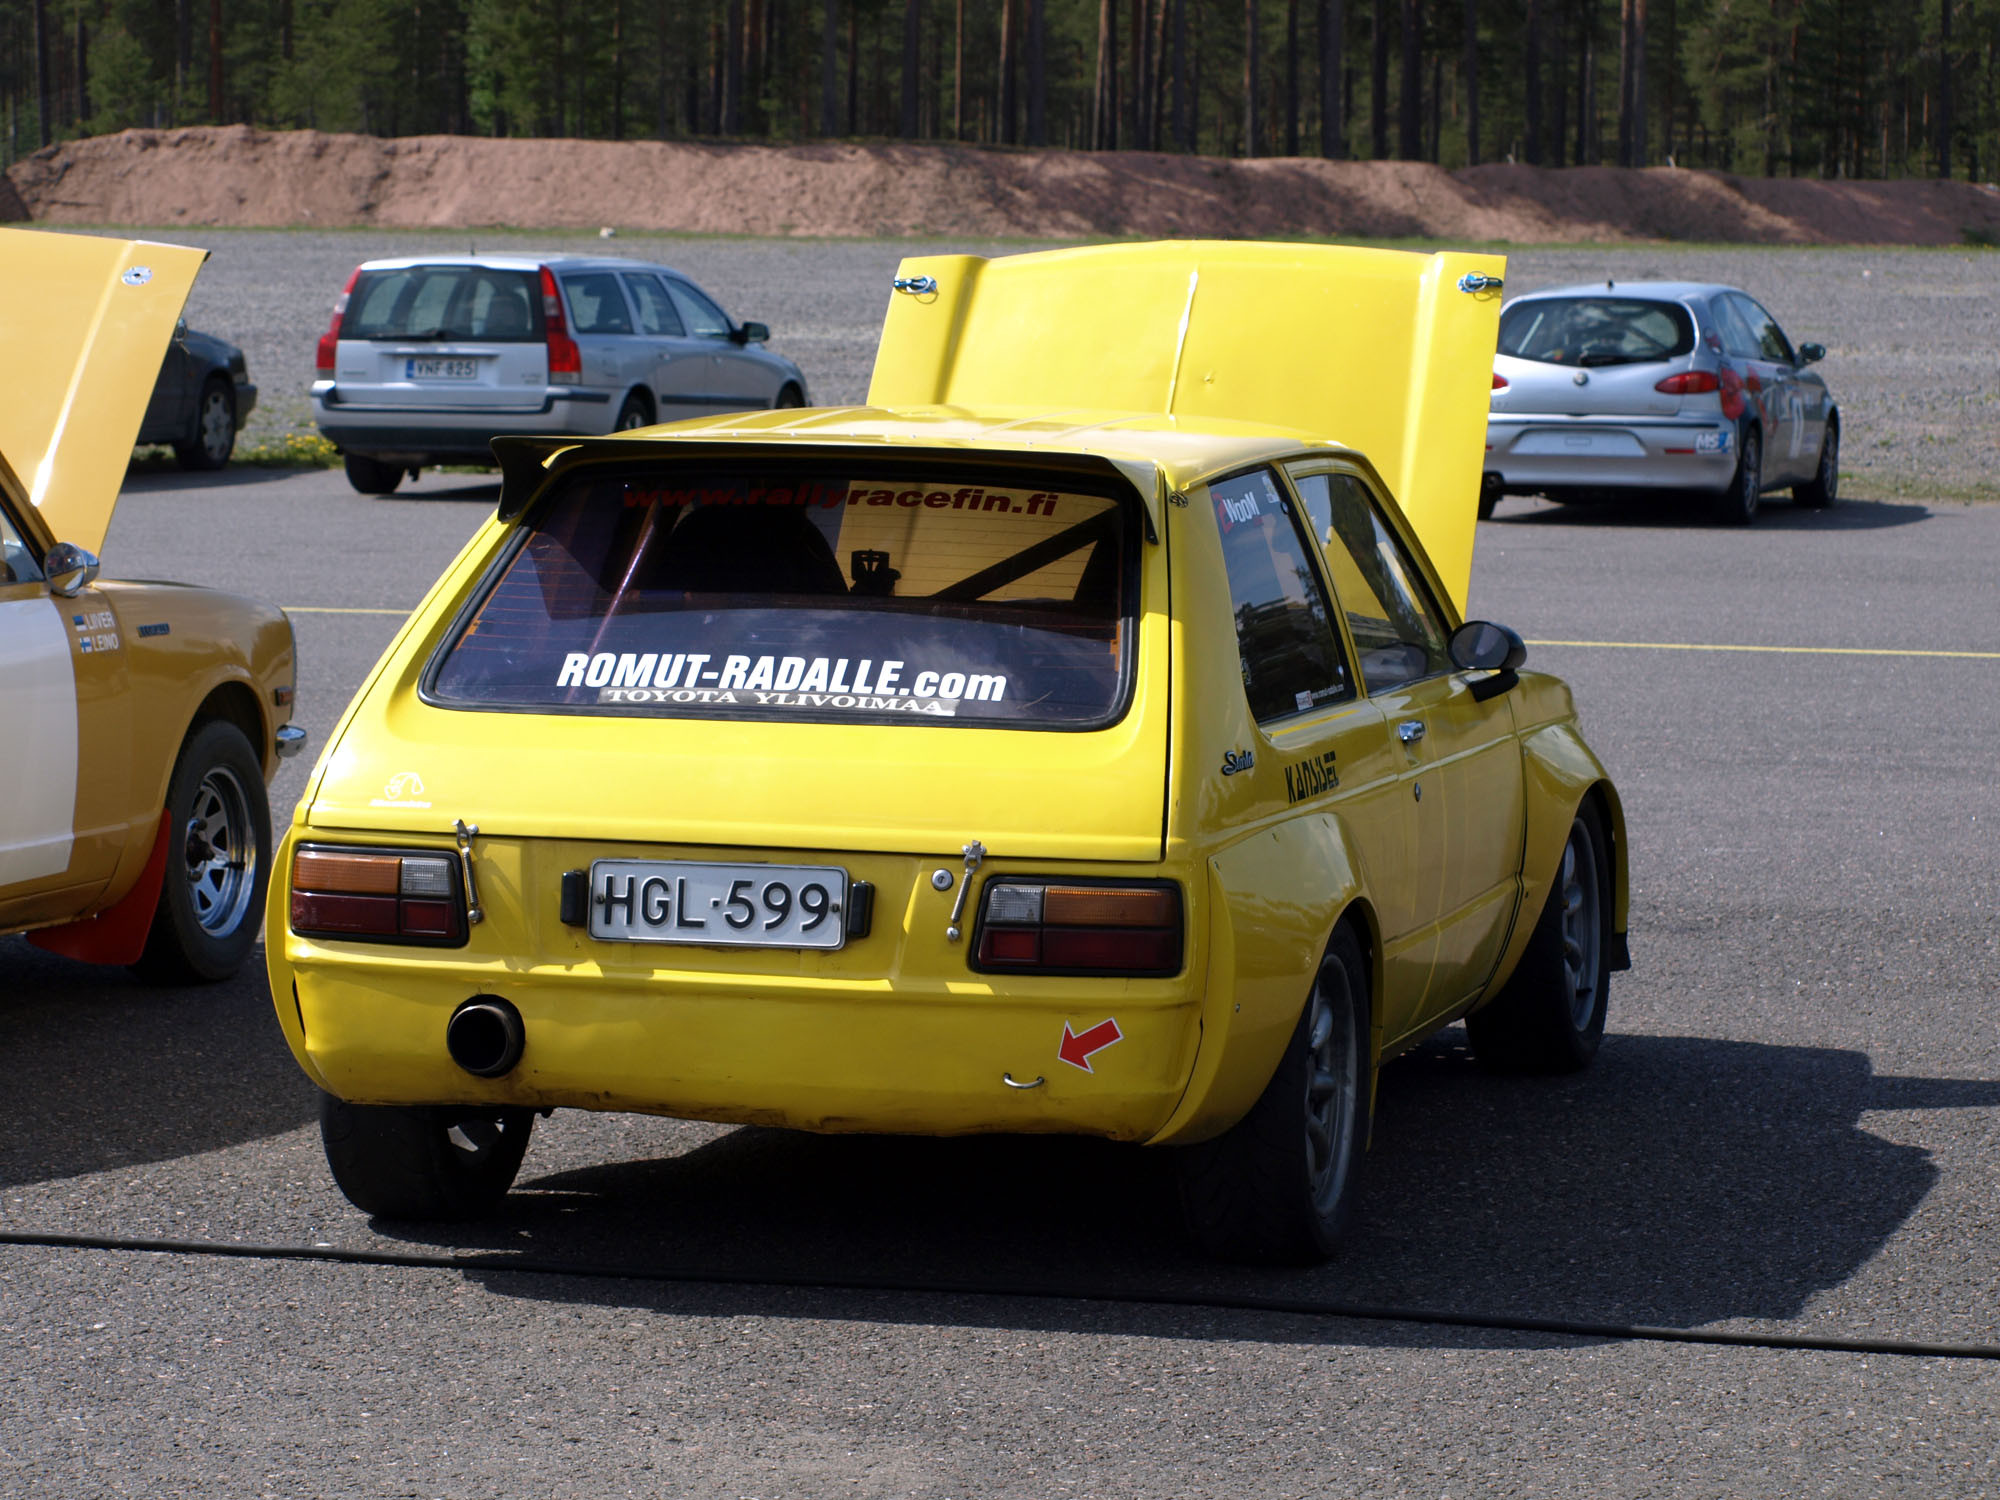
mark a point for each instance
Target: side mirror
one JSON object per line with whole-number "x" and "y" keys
{"x": 751, "y": 333}
{"x": 1482, "y": 646}
{"x": 69, "y": 569}
{"x": 1811, "y": 354}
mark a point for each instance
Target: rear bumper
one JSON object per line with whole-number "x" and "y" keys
{"x": 420, "y": 434}
{"x": 1531, "y": 453}
{"x": 893, "y": 1033}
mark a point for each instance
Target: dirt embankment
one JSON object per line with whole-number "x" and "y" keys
{"x": 236, "y": 176}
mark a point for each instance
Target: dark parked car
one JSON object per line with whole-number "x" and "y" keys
{"x": 200, "y": 400}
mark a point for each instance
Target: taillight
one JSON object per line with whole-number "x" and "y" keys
{"x": 379, "y": 894}
{"x": 1688, "y": 383}
{"x": 1061, "y": 927}
{"x": 329, "y": 342}
{"x": 1499, "y": 381}
{"x": 565, "y": 359}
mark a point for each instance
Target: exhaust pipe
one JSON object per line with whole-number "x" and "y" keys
{"x": 485, "y": 1036}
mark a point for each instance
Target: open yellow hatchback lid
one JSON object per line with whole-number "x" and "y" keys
{"x": 1387, "y": 352}
{"x": 84, "y": 323}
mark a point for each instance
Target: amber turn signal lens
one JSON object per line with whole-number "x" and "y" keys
{"x": 1108, "y": 906}
{"x": 342, "y": 874}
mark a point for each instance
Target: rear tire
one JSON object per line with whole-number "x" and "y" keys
{"x": 790, "y": 398}
{"x": 1737, "y": 505}
{"x": 371, "y": 476}
{"x": 635, "y": 413}
{"x": 218, "y": 861}
{"x": 423, "y": 1162}
{"x": 1823, "y": 489}
{"x": 1276, "y": 1187}
{"x": 1549, "y": 1018}
{"x": 213, "y": 437}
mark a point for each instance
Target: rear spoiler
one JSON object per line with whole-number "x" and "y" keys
{"x": 1387, "y": 352}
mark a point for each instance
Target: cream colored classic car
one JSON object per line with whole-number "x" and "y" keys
{"x": 139, "y": 722}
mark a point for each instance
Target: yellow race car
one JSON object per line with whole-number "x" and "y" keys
{"x": 1078, "y": 738}
{"x": 140, "y": 723}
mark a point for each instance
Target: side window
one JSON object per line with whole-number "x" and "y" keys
{"x": 1771, "y": 341}
{"x": 703, "y": 318}
{"x": 1284, "y": 632}
{"x": 1398, "y": 630}
{"x": 656, "y": 312}
{"x": 17, "y": 563}
{"x": 1737, "y": 341}
{"x": 595, "y": 305}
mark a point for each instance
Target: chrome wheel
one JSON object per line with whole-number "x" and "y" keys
{"x": 1333, "y": 1087}
{"x": 1582, "y": 927}
{"x": 221, "y": 849}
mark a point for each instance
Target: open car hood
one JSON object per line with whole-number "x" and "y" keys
{"x": 85, "y": 321}
{"x": 1385, "y": 351}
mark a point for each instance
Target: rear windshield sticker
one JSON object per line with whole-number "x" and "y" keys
{"x": 866, "y": 685}
{"x": 832, "y": 496}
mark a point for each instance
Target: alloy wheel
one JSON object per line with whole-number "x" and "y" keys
{"x": 221, "y": 852}
{"x": 1582, "y": 927}
{"x": 1332, "y": 1086}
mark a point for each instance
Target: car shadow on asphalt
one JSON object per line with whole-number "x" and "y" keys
{"x": 1692, "y": 513}
{"x": 99, "y": 1071}
{"x": 150, "y": 481}
{"x": 1680, "y": 1182}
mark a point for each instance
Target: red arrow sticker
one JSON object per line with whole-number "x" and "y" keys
{"x": 1076, "y": 1047}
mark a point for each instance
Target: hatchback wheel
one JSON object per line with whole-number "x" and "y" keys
{"x": 423, "y": 1162}
{"x": 1737, "y": 505}
{"x": 213, "y": 437}
{"x": 1550, "y": 1016}
{"x": 218, "y": 860}
{"x": 634, "y": 413}
{"x": 1276, "y": 1187}
{"x": 790, "y": 398}
{"x": 1823, "y": 489}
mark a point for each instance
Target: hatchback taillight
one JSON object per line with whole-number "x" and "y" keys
{"x": 384, "y": 895}
{"x": 1499, "y": 381}
{"x": 329, "y": 342}
{"x": 1688, "y": 383}
{"x": 565, "y": 359}
{"x": 1048, "y": 926}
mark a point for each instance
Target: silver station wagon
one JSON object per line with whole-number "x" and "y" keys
{"x": 429, "y": 359}
{"x": 1657, "y": 385}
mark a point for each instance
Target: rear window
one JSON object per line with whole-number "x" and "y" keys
{"x": 1595, "y": 330}
{"x": 944, "y": 595}
{"x": 445, "y": 302}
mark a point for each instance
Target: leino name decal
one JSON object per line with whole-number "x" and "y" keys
{"x": 1311, "y": 776}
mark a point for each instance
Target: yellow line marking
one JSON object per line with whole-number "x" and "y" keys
{"x": 1778, "y": 650}
{"x": 324, "y": 609}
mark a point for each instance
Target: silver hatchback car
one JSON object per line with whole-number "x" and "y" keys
{"x": 428, "y": 359}
{"x": 1657, "y": 385}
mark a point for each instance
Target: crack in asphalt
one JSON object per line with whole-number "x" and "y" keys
{"x": 1137, "y": 1297}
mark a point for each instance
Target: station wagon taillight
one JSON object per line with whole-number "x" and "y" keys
{"x": 1028, "y": 925}
{"x": 329, "y": 342}
{"x": 386, "y": 895}
{"x": 1688, "y": 383}
{"x": 565, "y": 359}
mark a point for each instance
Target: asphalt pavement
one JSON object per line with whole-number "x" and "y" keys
{"x": 1789, "y": 1134}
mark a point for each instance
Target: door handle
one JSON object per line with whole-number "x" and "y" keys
{"x": 1410, "y": 731}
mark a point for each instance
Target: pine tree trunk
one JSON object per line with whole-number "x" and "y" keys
{"x": 1472, "y": 82}
{"x": 1944, "y": 89}
{"x": 1378, "y": 79}
{"x": 1183, "y": 101}
{"x": 1004, "y": 130}
{"x": 215, "y": 61}
{"x": 1532, "y": 83}
{"x": 1252, "y": 146}
{"x": 1104, "y": 92}
{"x": 1624, "y": 83}
{"x": 1332, "y": 65}
{"x": 1038, "y": 78}
{"x": 1291, "y": 77}
{"x": 912, "y": 61}
{"x": 829, "y": 69}
{"x": 1638, "y": 154}
{"x": 1410, "y": 100}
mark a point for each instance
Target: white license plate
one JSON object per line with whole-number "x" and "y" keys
{"x": 440, "y": 369}
{"x": 741, "y": 906}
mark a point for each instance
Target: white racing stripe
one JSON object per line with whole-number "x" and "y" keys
{"x": 37, "y": 741}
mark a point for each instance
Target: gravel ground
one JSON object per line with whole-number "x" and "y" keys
{"x": 1922, "y": 411}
